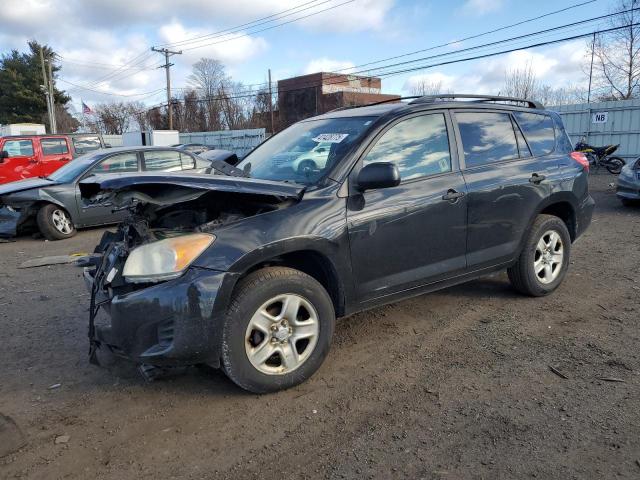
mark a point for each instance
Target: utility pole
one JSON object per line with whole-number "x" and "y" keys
{"x": 271, "y": 103}
{"x": 593, "y": 47}
{"x": 54, "y": 128}
{"x": 45, "y": 89}
{"x": 167, "y": 53}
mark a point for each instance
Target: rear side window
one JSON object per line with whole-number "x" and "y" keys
{"x": 538, "y": 129}
{"x": 124, "y": 162}
{"x": 418, "y": 146}
{"x": 486, "y": 137}
{"x": 86, "y": 144}
{"x": 18, "y": 148}
{"x": 165, "y": 161}
{"x": 54, "y": 146}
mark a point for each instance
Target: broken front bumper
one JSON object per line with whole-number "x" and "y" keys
{"x": 178, "y": 322}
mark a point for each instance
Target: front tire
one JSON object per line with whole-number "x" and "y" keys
{"x": 615, "y": 164}
{"x": 55, "y": 223}
{"x": 277, "y": 331}
{"x": 544, "y": 260}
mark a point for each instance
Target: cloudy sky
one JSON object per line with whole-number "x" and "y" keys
{"x": 105, "y": 44}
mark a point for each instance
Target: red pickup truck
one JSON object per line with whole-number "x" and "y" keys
{"x": 26, "y": 156}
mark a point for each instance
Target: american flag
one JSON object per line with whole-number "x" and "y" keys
{"x": 86, "y": 110}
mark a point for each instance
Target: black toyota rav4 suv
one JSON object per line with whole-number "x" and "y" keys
{"x": 336, "y": 214}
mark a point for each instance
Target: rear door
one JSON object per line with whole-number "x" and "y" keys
{"x": 413, "y": 234}
{"x": 22, "y": 161}
{"x": 56, "y": 152}
{"x": 506, "y": 182}
{"x": 126, "y": 162}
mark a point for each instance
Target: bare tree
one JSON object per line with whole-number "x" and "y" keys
{"x": 520, "y": 82}
{"x": 114, "y": 117}
{"x": 209, "y": 80}
{"x": 617, "y": 55}
{"x": 427, "y": 87}
{"x": 138, "y": 113}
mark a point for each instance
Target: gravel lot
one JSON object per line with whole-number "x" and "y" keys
{"x": 454, "y": 384}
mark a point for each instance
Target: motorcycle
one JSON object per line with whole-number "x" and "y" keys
{"x": 600, "y": 156}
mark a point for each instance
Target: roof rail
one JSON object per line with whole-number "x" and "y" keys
{"x": 478, "y": 98}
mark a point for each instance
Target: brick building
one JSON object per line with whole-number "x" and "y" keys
{"x": 308, "y": 95}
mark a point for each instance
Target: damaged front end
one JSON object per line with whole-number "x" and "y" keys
{"x": 160, "y": 308}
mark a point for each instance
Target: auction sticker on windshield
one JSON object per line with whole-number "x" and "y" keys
{"x": 330, "y": 137}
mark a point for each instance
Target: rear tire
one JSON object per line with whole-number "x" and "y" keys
{"x": 277, "y": 330}
{"x": 615, "y": 164}
{"x": 544, "y": 260}
{"x": 55, "y": 223}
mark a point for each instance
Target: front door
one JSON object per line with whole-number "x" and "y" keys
{"x": 56, "y": 152}
{"x": 21, "y": 161}
{"x": 97, "y": 215}
{"x": 413, "y": 234}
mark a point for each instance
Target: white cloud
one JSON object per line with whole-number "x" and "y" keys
{"x": 325, "y": 64}
{"x": 352, "y": 17}
{"x": 228, "y": 52}
{"x": 481, "y": 7}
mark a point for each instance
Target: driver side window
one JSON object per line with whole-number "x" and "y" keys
{"x": 121, "y": 163}
{"x": 419, "y": 147}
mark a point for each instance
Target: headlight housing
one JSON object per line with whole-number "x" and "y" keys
{"x": 165, "y": 259}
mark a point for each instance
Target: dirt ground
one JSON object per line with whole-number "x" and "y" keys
{"x": 454, "y": 384}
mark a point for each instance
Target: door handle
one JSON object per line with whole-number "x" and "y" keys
{"x": 535, "y": 178}
{"x": 452, "y": 195}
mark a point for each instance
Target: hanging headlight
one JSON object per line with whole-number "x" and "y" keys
{"x": 165, "y": 259}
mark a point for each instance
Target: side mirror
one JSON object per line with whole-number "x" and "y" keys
{"x": 4, "y": 154}
{"x": 378, "y": 175}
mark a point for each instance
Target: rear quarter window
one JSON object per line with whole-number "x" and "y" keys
{"x": 538, "y": 130}
{"x": 563, "y": 142}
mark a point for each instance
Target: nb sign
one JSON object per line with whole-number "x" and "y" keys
{"x": 600, "y": 117}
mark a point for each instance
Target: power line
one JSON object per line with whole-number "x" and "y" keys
{"x": 379, "y": 71}
{"x": 489, "y": 32}
{"x": 457, "y": 53}
{"x": 448, "y": 62}
{"x": 271, "y": 27}
{"x": 421, "y": 67}
{"x": 123, "y": 67}
{"x": 226, "y": 31}
{"x": 110, "y": 93}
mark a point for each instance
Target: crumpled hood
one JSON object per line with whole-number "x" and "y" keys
{"x": 26, "y": 184}
{"x": 162, "y": 190}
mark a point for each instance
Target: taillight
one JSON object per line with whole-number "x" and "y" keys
{"x": 581, "y": 158}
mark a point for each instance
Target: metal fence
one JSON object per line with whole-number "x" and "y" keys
{"x": 241, "y": 142}
{"x": 113, "y": 140}
{"x": 605, "y": 123}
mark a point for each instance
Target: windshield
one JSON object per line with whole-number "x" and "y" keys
{"x": 75, "y": 167}
{"x": 86, "y": 144}
{"x": 305, "y": 151}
